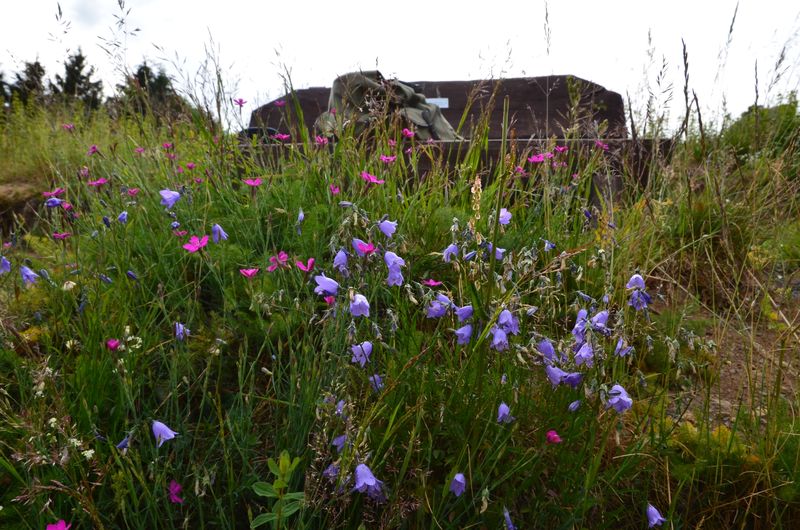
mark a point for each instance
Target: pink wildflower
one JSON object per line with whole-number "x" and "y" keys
{"x": 305, "y": 267}
{"x": 408, "y": 133}
{"x": 280, "y": 137}
{"x": 372, "y": 179}
{"x": 97, "y": 183}
{"x": 431, "y": 282}
{"x": 190, "y": 165}
{"x": 132, "y": 192}
{"x": 253, "y": 182}
{"x": 68, "y": 127}
{"x": 174, "y": 491}
{"x": 239, "y": 102}
{"x": 553, "y": 437}
{"x": 167, "y": 146}
{"x": 281, "y": 260}
{"x": 113, "y": 344}
{"x": 601, "y": 145}
{"x": 84, "y": 171}
{"x": 320, "y": 140}
{"x": 195, "y": 243}
{"x": 93, "y": 149}
{"x": 386, "y": 159}
{"x": 60, "y": 525}
{"x": 139, "y": 150}
{"x": 334, "y": 189}
{"x": 280, "y": 103}
{"x": 61, "y": 236}
{"x": 248, "y": 273}
{"x": 55, "y": 193}
{"x": 366, "y": 248}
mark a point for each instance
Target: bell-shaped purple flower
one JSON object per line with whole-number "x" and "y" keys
{"x": 508, "y": 322}
{"x": 394, "y": 262}
{"x": 579, "y": 330}
{"x": 181, "y": 331}
{"x": 458, "y": 484}
{"x": 450, "y": 252}
{"x": 123, "y": 218}
{"x": 361, "y": 353}
{"x": 639, "y": 300}
{"x": 340, "y": 262}
{"x": 325, "y": 286}
{"x": 504, "y": 414}
{"x": 5, "y": 265}
{"x": 162, "y": 433}
{"x": 499, "y": 339}
{"x": 654, "y": 517}
{"x": 574, "y": 405}
{"x": 618, "y": 399}
{"x": 53, "y": 202}
{"x": 169, "y": 198}
{"x": 438, "y": 307}
{"x": 359, "y": 307}
{"x": 464, "y": 312}
{"x": 505, "y": 216}
{"x": 507, "y": 517}
{"x": 599, "y": 323}
{"x": 554, "y": 374}
{"x": 573, "y": 379}
{"x": 28, "y": 276}
{"x": 464, "y": 334}
{"x": 376, "y": 382}
{"x": 636, "y": 282}
{"x": 339, "y": 442}
{"x": 621, "y": 350}
{"x": 367, "y": 483}
{"x": 388, "y": 227}
{"x": 217, "y": 233}
{"x": 585, "y": 355}
{"x": 547, "y": 350}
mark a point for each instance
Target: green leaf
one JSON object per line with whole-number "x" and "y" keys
{"x": 273, "y": 467}
{"x": 290, "y": 508}
{"x": 296, "y": 496}
{"x": 279, "y": 484}
{"x": 264, "y": 489}
{"x": 264, "y": 518}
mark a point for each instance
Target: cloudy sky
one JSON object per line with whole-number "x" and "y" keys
{"x": 619, "y": 44}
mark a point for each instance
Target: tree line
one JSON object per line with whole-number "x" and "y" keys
{"x": 143, "y": 91}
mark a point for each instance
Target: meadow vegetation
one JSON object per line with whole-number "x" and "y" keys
{"x": 201, "y": 331}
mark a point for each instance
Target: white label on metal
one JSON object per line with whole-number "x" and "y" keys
{"x": 443, "y": 103}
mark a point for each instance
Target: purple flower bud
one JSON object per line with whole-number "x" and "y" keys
{"x": 545, "y": 347}
{"x": 339, "y": 442}
{"x": 654, "y": 517}
{"x": 458, "y": 485}
{"x": 438, "y": 307}
{"x": 464, "y": 313}
{"x": 5, "y": 265}
{"x": 499, "y": 339}
{"x": 28, "y": 276}
{"x": 340, "y": 262}
{"x": 376, "y": 382}
{"x": 181, "y": 331}
{"x": 367, "y": 483}
{"x": 217, "y": 233}
{"x": 636, "y": 282}
{"x": 504, "y": 414}
{"x": 123, "y": 217}
{"x": 574, "y": 405}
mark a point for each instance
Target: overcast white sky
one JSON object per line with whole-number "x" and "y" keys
{"x": 605, "y": 42}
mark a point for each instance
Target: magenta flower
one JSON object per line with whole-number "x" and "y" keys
{"x": 139, "y": 150}
{"x": 431, "y": 282}
{"x": 305, "y": 267}
{"x": 239, "y": 102}
{"x": 458, "y": 484}
{"x": 162, "y": 433}
{"x": 195, "y": 243}
{"x": 359, "y": 306}
{"x": 174, "y": 491}
{"x": 167, "y": 146}
{"x": 372, "y": 179}
{"x": 281, "y": 137}
{"x": 60, "y": 525}
{"x": 132, "y": 192}
{"x": 553, "y": 437}
{"x": 536, "y": 159}
{"x": 561, "y": 149}
{"x": 407, "y": 133}
{"x": 55, "y": 193}
{"x": 97, "y": 183}
{"x": 280, "y": 260}
{"x": 83, "y": 171}
{"x": 320, "y": 140}
{"x": 69, "y": 127}
{"x": 61, "y": 236}
{"x": 253, "y": 182}
{"x": 113, "y": 344}
{"x": 190, "y": 165}
{"x": 280, "y": 103}
{"x": 93, "y": 149}
{"x": 601, "y": 145}
{"x": 386, "y": 159}
{"x": 248, "y": 273}
{"x": 365, "y": 249}
{"x": 334, "y": 189}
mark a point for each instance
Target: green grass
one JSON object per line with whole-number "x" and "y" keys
{"x": 267, "y": 359}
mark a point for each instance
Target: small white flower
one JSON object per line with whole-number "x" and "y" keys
{"x": 68, "y": 286}
{"x": 88, "y": 454}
